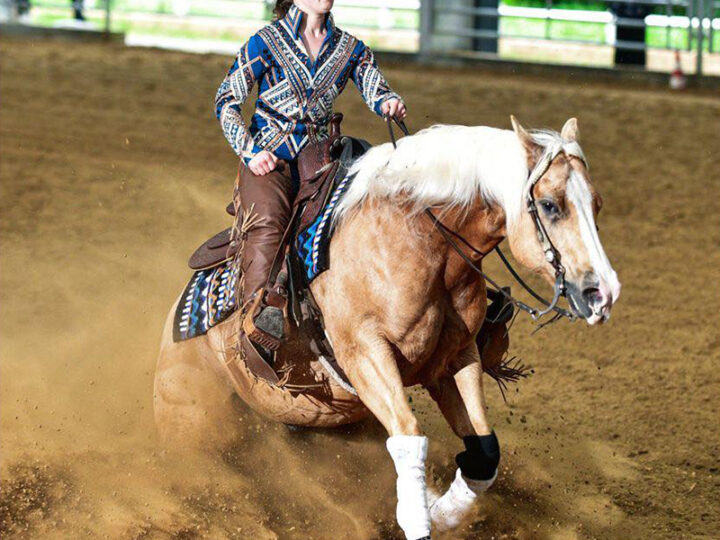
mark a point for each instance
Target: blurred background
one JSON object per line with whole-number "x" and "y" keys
{"x": 642, "y": 33}
{"x": 113, "y": 169}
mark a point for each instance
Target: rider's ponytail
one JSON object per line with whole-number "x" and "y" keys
{"x": 281, "y": 8}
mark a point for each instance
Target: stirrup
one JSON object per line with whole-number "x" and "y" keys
{"x": 263, "y": 324}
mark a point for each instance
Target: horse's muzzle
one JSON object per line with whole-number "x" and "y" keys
{"x": 591, "y": 300}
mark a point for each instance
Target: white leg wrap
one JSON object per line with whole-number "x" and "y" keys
{"x": 455, "y": 505}
{"x": 409, "y": 453}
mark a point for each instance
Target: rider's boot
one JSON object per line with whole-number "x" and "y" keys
{"x": 264, "y": 323}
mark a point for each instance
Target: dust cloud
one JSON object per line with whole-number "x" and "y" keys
{"x": 113, "y": 169}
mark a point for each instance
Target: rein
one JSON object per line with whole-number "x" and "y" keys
{"x": 551, "y": 253}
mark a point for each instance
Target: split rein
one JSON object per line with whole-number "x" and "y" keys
{"x": 551, "y": 253}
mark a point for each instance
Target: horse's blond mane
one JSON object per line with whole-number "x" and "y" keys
{"x": 444, "y": 166}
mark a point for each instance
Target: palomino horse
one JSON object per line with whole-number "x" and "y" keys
{"x": 402, "y": 308}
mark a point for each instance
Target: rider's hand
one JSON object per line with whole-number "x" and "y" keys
{"x": 263, "y": 163}
{"x": 394, "y": 107}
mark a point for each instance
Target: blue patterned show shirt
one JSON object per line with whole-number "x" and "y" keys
{"x": 293, "y": 91}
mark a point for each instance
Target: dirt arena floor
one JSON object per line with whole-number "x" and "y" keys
{"x": 114, "y": 169}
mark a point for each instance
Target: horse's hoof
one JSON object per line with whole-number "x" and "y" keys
{"x": 293, "y": 428}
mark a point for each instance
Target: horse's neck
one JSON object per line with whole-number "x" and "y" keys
{"x": 405, "y": 236}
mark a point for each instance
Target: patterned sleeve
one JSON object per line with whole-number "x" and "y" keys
{"x": 248, "y": 67}
{"x": 366, "y": 75}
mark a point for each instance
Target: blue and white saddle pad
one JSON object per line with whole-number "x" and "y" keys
{"x": 312, "y": 244}
{"x": 208, "y": 299}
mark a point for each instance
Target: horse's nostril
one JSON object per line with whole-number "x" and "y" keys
{"x": 592, "y": 295}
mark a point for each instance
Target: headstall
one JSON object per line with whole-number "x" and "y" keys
{"x": 552, "y": 255}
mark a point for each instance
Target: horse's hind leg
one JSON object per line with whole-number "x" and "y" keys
{"x": 192, "y": 401}
{"x": 462, "y": 401}
{"x": 372, "y": 368}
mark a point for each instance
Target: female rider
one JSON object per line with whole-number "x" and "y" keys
{"x": 301, "y": 62}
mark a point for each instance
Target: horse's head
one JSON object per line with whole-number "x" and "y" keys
{"x": 567, "y": 205}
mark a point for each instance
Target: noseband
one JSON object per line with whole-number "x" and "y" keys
{"x": 552, "y": 255}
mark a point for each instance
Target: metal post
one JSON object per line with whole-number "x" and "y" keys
{"x": 548, "y": 19}
{"x": 711, "y": 16}
{"x": 668, "y": 14}
{"x": 107, "y": 17}
{"x": 630, "y": 32}
{"x": 700, "y": 40}
{"x": 689, "y": 14}
{"x": 427, "y": 17}
{"x": 487, "y": 25}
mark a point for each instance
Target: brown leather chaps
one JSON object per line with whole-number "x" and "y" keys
{"x": 270, "y": 197}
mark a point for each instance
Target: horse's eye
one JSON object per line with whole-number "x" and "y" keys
{"x": 550, "y": 207}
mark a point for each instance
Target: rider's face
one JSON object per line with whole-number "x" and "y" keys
{"x": 315, "y": 7}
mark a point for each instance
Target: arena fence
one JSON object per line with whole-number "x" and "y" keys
{"x": 219, "y": 25}
{"x": 477, "y": 26}
{"x": 377, "y": 14}
{"x": 456, "y": 27}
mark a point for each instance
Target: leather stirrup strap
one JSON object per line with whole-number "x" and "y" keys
{"x": 280, "y": 253}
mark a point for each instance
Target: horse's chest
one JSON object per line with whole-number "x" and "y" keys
{"x": 439, "y": 334}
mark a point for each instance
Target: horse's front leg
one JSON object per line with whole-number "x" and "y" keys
{"x": 462, "y": 401}
{"x": 372, "y": 368}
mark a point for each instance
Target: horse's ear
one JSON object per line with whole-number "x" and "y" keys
{"x": 523, "y": 135}
{"x": 570, "y": 131}
{"x": 532, "y": 149}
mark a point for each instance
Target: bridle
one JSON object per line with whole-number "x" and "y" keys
{"x": 552, "y": 255}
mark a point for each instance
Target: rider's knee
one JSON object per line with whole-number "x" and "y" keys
{"x": 481, "y": 457}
